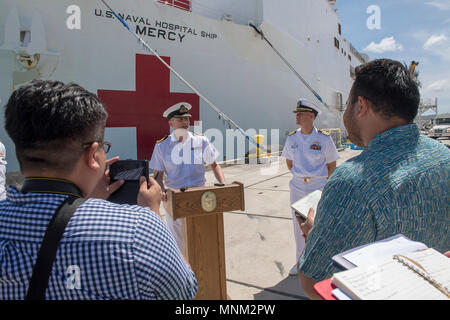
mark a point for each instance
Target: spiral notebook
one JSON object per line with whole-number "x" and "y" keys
{"x": 421, "y": 275}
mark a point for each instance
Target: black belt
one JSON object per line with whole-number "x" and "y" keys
{"x": 47, "y": 252}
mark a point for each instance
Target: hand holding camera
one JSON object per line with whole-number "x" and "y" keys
{"x": 150, "y": 194}
{"x": 136, "y": 186}
{"x": 104, "y": 187}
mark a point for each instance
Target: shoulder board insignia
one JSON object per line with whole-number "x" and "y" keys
{"x": 199, "y": 134}
{"x": 291, "y": 133}
{"x": 325, "y": 132}
{"x": 161, "y": 140}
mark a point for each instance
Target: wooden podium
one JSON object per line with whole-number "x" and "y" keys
{"x": 203, "y": 232}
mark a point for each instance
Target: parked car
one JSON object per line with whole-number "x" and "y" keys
{"x": 441, "y": 127}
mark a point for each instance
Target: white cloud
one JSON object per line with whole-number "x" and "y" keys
{"x": 441, "y": 5}
{"x": 438, "y": 86}
{"x": 438, "y": 46}
{"x": 434, "y": 40}
{"x": 387, "y": 44}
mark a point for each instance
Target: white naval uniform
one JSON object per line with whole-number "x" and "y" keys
{"x": 184, "y": 165}
{"x": 310, "y": 154}
{"x": 2, "y": 171}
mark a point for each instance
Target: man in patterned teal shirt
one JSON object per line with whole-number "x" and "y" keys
{"x": 399, "y": 183}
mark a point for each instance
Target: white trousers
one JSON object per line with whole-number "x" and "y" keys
{"x": 300, "y": 189}
{"x": 176, "y": 227}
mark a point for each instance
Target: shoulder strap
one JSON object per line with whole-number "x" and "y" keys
{"x": 325, "y": 132}
{"x": 47, "y": 252}
{"x": 162, "y": 139}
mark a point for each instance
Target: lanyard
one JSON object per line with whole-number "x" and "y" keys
{"x": 51, "y": 185}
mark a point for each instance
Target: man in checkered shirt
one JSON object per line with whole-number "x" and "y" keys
{"x": 107, "y": 251}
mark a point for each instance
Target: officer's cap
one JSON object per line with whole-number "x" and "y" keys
{"x": 306, "y": 105}
{"x": 178, "y": 110}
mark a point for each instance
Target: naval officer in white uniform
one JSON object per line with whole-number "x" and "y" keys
{"x": 182, "y": 156}
{"x": 311, "y": 157}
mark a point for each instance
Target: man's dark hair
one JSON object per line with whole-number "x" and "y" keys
{"x": 49, "y": 121}
{"x": 389, "y": 86}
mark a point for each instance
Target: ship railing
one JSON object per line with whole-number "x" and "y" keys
{"x": 180, "y": 4}
{"x": 357, "y": 53}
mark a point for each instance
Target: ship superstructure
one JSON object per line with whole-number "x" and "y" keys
{"x": 209, "y": 42}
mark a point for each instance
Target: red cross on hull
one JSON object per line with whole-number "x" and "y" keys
{"x": 144, "y": 107}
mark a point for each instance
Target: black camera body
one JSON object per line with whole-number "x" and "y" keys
{"x": 130, "y": 171}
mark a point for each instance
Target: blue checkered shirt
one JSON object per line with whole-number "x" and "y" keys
{"x": 108, "y": 251}
{"x": 399, "y": 184}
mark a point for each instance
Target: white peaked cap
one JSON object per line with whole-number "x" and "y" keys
{"x": 307, "y": 104}
{"x": 182, "y": 108}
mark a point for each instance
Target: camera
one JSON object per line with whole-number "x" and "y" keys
{"x": 130, "y": 171}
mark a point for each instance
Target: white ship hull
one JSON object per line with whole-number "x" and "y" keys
{"x": 227, "y": 62}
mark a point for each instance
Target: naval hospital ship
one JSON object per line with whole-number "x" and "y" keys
{"x": 218, "y": 46}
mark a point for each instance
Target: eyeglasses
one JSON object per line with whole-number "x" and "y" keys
{"x": 106, "y": 145}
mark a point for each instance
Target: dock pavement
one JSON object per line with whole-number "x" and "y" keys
{"x": 259, "y": 241}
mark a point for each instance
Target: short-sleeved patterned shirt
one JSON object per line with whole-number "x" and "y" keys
{"x": 108, "y": 251}
{"x": 399, "y": 184}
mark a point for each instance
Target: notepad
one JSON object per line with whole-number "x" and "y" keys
{"x": 400, "y": 245}
{"x": 303, "y": 205}
{"x": 421, "y": 275}
{"x": 368, "y": 253}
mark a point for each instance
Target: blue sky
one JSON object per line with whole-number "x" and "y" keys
{"x": 409, "y": 30}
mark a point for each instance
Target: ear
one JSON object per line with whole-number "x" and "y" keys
{"x": 363, "y": 107}
{"x": 92, "y": 156}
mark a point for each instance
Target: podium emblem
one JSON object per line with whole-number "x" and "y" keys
{"x": 208, "y": 201}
